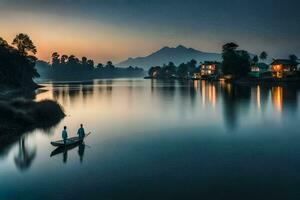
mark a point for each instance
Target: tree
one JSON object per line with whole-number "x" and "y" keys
{"x": 182, "y": 70}
{"x": 99, "y": 66}
{"x": 84, "y": 61}
{"x": 109, "y": 65}
{"x": 255, "y": 60}
{"x": 73, "y": 61}
{"x": 263, "y": 55}
{"x": 230, "y": 47}
{"x": 63, "y": 59}
{"x": 55, "y": 59}
{"x": 192, "y": 66}
{"x": 155, "y": 72}
{"x": 168, "y": 70}
{"x": 16, "y": 67}
{"x": 3, "y": 43}
{"x": 24, "y": 44}
{"x": 235, "y": 62}
{"x": 293, "y": 59}
{"x": 90, "y": 64}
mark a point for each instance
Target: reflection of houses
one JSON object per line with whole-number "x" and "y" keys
{"x": 209, "y": 93}
{"x": 258, "y": 70}
{"x": 210, "y": 69}
{"x": 283, "y": 68}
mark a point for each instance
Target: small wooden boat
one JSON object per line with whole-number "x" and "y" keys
{"x": 69, "y": 141}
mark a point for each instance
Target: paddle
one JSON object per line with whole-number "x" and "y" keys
{"x": 87, "y": 134}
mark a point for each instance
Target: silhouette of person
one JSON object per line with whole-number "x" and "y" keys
{"x": 81, "y": 132}
{"x": 64, "y": 135}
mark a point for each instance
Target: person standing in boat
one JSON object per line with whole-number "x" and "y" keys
{"x": 64, "y": 135}
{"x": 80, "y": 132}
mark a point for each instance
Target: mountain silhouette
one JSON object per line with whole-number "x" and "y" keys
{"x": 165, "y": 55}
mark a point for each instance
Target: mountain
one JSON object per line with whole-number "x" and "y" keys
{"x": 176, "y": 55}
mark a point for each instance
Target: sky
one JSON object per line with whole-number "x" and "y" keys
{"x": 117, "y": 29}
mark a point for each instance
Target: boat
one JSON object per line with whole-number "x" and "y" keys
{"x": 69, "y": 142}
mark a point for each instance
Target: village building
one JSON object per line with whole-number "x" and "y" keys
{"x": 282, "y": 68}
{"x": 210, "y": 69}
{"x": 259, "y": 69}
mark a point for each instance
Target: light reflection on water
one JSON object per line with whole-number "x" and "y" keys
{"x": 150, "y": 137}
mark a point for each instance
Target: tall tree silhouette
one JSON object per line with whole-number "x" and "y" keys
{"x": 263, "y": 56}
{"x": 255, "y": 60}
{"x": 235, "y": 62}
{"x": 55, "y": 59}
{"x": 17, "y": 68}
{"x": 24, "y": 44}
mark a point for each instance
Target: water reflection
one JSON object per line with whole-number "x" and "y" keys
{"x": 25, "y": 155}
{"x": 196, "y": 130}
{"x": 64, "y": 151}
{"x": 233, "y": 101}
{"x": 105, "y": 102}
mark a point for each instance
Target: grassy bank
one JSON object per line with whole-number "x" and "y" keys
{"x": 20, "y": 115}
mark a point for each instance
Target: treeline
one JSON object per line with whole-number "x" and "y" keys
{"x": 184, "y": 70}
{"x": 17, "y": 62}
{"x": 66, "y": 67}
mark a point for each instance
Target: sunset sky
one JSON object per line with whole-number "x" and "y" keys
{"x": 118, "y": 29}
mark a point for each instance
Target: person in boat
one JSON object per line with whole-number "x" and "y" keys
{"x": 64, "y": 135}
{"x": 81, "y": 132}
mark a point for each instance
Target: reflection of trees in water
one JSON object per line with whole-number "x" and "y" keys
{"x": 25, "y": 156}
{"x": 236, "y": 99}
{"x": 68, "y": 93}
{"x": 168, "y": 90}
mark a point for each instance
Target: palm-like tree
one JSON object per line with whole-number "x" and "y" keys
{"x": 263, "y": 56}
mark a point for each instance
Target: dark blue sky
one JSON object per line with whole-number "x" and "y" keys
{"x": 257, "y": 25}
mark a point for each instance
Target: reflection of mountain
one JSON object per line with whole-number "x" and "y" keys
{"x": 176, "y": 55}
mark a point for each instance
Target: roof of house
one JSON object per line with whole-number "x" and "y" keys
{"x": 282, "y": 62}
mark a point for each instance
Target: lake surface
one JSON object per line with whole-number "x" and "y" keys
{"x": 162, "y": 140}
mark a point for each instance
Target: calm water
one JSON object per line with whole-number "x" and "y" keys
{"x": 162, "y": 140}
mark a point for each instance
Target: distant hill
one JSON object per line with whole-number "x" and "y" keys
{"x": 177, "y": 55}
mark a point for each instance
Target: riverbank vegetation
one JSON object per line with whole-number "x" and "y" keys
{"x": 18, "y": 112}
{"x": 20, "y": 115}
{"x": 17, "y": 62}
{"x": 237, "y": 65}
{"x": 64, "y": 67}
{"x": 183, "y": 71}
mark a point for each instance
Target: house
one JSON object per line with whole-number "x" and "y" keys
{"x": 210, "y": 69}
{"x": 282, "y": 68}
{"x": 257, "y": 70}
{"x": 196, "y": 75}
